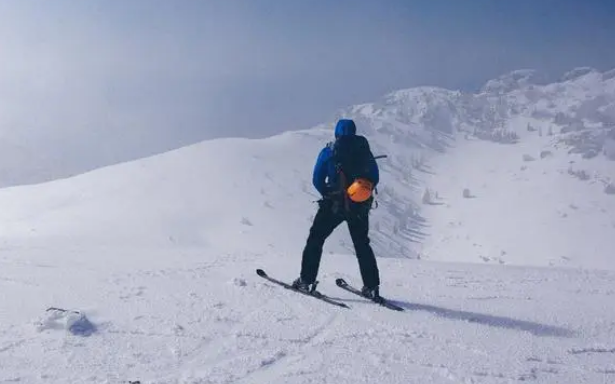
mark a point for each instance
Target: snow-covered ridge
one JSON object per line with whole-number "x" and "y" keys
{"x": 27, "y": 157}
{"x": 581, "y": 103}
{"x": 512, "y": 81}
{"x": 242, "y": 189}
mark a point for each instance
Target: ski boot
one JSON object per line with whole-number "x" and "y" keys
{"x": 301, "y": 285}
{"x": 370, "y": 293}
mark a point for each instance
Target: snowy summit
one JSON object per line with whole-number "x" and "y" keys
{"x": 493, "y": 231}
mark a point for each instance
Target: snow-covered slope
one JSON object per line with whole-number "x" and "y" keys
{"x": 160, "y": 253}
{"x": 481, "y": 142}
{"x": 255, "y": 193}
{"x": 498, "y": 204}
{"x": 165, "y": 317}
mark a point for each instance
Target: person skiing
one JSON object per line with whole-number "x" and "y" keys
{"x": 345, "y": 174}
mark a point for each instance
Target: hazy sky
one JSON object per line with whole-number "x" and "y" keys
{"x": 160, "y": 73}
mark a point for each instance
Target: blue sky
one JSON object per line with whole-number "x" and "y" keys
{"x": 166, "y": 73}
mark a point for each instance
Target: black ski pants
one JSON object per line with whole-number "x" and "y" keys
{"x": 328, "y": 217}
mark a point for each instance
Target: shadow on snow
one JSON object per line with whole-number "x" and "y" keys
{"x": 534, "y": 328}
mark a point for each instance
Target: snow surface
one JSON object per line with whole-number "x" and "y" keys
{"x": 177, "y": 316}
{"x": 493, "y": 230}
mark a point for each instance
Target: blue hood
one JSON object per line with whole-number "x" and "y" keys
{"x": 345, "y": 127}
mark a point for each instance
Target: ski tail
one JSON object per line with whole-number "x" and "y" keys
{"x": 378, "y": 299}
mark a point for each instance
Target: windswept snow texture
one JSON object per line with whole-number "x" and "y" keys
{"x": 201, "y": 317}
{"x": 493, "y": 230}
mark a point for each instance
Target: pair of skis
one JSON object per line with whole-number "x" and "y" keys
{"x": 340, "y": 283}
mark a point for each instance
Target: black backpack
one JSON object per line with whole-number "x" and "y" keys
{"x": 352, "y": 157}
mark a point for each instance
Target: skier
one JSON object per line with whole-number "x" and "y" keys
{"x": 345, "y": 174}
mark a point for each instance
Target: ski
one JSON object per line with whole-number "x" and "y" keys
{"x": 378, "y": 300}
{"x": 314, "y": 294}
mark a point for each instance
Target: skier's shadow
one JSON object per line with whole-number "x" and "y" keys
{"x": 534, "y": 328}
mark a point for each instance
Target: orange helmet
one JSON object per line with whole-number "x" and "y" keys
{"x": 360, "y": 190}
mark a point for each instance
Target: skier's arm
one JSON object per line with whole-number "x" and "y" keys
{"x": 319, "y": 175}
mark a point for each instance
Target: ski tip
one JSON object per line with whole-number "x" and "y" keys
{"x": 340, "y": 282}
{"x": 260, "y": 272}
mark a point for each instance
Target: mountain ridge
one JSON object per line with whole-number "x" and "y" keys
{"x": 422, "y": 131}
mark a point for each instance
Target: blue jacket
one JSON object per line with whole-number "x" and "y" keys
{"x": 324, "y": 176}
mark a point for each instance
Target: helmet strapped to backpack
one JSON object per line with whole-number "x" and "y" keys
{"x": 360, "y": 190}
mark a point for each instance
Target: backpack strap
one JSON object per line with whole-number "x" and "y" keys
{"x": 342, "y": 180}
{"x": 343, "y": 185}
